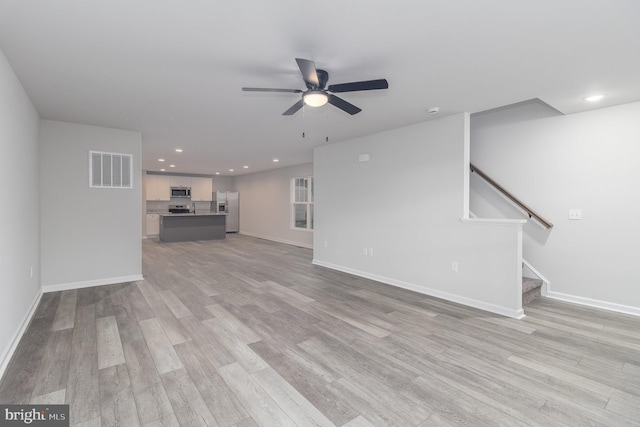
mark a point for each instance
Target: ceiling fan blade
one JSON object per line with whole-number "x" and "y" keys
{"x": 343, "y": 105}
{"x": 309, "y": 73}
{"x": 357, "y": 86}
{"x": 294, "y": 108}
{"x": 266, "y": 89}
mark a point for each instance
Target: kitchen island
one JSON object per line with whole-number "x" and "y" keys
{"x": 185, "y": 227}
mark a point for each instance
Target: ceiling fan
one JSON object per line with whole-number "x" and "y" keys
{"x": 317, "y": 95}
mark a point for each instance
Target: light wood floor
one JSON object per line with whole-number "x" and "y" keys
{"x": 247, "y": 332}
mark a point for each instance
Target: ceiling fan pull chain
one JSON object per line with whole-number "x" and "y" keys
{"x": 326, "y": 128}
{"x": 303, "y": 111}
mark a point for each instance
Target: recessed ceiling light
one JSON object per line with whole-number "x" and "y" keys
{"x": 217, "y": 173}
{"x": 161, "y": 170}
{"x": 276, "y": 160}
{"x": 246, "y": 167}
{"x": 230, "y": 170}
{"x": 433, "y": 110}
{"x": 161, "y": 160}
{"x": 178, "y": 150}
{"x": 172, "y": 166}
{"x": 595, "y": 98}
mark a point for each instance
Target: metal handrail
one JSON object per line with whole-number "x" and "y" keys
{"x": 514, "y": 199}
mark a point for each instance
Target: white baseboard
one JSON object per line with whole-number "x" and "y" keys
{"x": 92, "y": 283}
{"x": 17, "y": 336}
{"x": 604, "y": 305}
{"x": 504, "y": 311}
{"x": 275, "y": 239}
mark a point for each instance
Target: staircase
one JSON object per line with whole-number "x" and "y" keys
{"x": 531, "y": 289}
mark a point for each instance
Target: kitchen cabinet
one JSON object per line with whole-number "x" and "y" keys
{"x": 158, "y": 187}
{"x": 180, "y": 181}
{"x": 153, "y": 224}
{"x": 201, "y": 189}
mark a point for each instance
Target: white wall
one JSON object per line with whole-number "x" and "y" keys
{"x": 406, "y": 205}
{"x": 90, "y": 236}
{"x": 20, "y": 241}
{"x": 554, "y": 163}
{"x": 222, "y": 183}
{"x": 265, "y": 204}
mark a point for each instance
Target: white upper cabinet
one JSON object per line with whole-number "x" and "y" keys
{"x": 180, "y": 181}
{"x": 201, "y": 189}
{"x": 158, "y": 187}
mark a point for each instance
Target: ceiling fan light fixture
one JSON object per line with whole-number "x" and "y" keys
{"x": 315, "y": 98}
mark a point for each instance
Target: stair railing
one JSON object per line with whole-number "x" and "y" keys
{"x": 511, "y": 197}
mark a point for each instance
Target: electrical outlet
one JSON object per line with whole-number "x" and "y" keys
{"x": 454, "y": 266}
{"x": 370, "y": 251}
{"x": 325, "y": 244}
{"x": 364, "y": 251}
{"x": 575, "y": 214}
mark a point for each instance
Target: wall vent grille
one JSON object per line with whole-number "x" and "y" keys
{"x": 110, "y": 170}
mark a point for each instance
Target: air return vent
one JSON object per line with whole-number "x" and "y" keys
{"x": 110, "y": 170}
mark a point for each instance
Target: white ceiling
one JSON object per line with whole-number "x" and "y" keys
{"x": 173, "y": 69}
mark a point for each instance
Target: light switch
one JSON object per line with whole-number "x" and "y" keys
{"x": 575, "y": 214}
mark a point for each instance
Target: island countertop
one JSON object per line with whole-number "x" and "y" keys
{"x": 184, "y": 227}
{"x": 193, "y": 214}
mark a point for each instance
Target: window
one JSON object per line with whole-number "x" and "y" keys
{"x": 110, "y": 170}
{"x": 302, "y": 203}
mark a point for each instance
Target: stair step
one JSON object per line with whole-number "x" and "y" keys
{"x": 531, "y": 289}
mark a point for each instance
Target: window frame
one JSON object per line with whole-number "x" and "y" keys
{"x": 308, "y": 202}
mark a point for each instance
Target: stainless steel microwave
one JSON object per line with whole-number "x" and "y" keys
{"x": 180, "y": 192}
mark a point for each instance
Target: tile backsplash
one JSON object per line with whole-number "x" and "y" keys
{"x": 163, "y": 206}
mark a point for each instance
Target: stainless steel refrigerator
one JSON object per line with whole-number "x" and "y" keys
{"x": 228, "y": 202}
